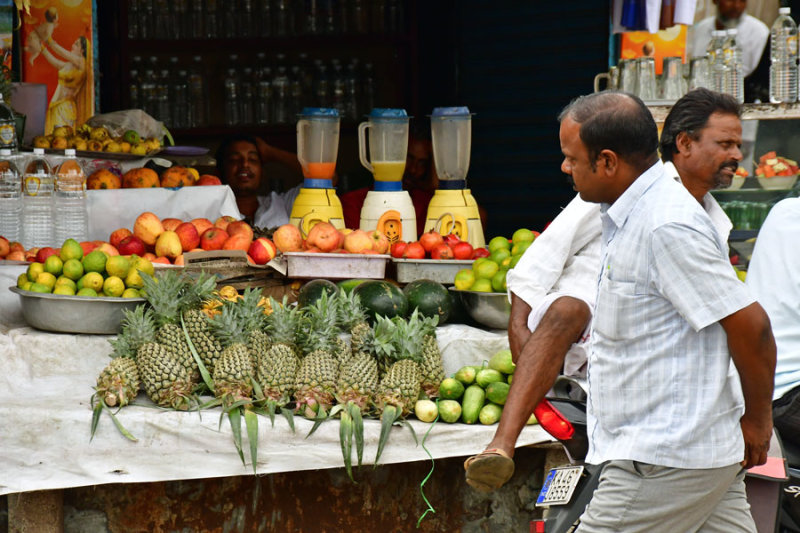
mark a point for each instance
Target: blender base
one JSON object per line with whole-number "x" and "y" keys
{"x": 316, "y": 205}
{"x": 456, "y": 211}
{"x": 399, "y": 226}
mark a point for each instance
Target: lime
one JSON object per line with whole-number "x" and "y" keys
{"x": 66, "y": 290}
{"x": 143, "y": 264}
{"x": 34, "y": 269}
{"x": 486, "y": 270}
{"x": 73, "y": 269}
{"x": 86, "y": 291}
{"x": 38, "y": 287}
{"x": 26, "y": 286}
{"x": 22, "y": 279}
{"x": 499, "y": 255}
{"x": 523, "y": 235}
{"x": 118, "y": 265}
{"x": 91, "y": 280}
{"x": 506, "y": 263}
{"x": 482, "y": 285}
{"x": 64, "y": 281}
{"x": 113, "y": 286}
{"x": 95, "y": 261}
{"x": 53, "y": 265}
{"x": 499, "y": 281}
{"x": 130, "y": 292}
{"x": 464, "y": 279}
{"x": 514, "y": 260}
{"x": 46, "y": 278}
{"x": 479, "y": 261}
{"x": 71, "y": 249}
{"x": 519, "y": 248}
{"x": 498, "y": 243}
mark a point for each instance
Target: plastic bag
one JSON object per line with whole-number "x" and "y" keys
{"x": 118, "y": 122}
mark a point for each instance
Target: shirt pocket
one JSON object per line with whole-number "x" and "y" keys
{"x": 615, "y": 312}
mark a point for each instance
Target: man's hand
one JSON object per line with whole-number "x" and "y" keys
{"x": 757, "y": 433}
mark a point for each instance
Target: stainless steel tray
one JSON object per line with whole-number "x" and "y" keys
{"x": 442, "y": 270}
{"x": 74, "y": 314}
{"x": 491, "y": 309}
{"x": 335, "y": 266}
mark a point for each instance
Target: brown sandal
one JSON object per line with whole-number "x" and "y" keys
{"x": 489, "y": 470}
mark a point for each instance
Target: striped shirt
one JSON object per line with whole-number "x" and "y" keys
{"x": 663, "y": 389}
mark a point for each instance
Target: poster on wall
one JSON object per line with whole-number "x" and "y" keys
{"x": 58, "y": 49}
{"x": 6, "y": 30}
{"x": 664, "y": 43}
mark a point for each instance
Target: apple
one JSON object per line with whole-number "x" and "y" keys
{"x": 480, "y": 252}
{"x": 239, "y": 241}
{"x": 463, "y": 250}
{"x": 201, "y": 224}
{"x": 88, "y": 246}
{"x": 5, "y": 247}
{"x": 148, "y": 227}
{"x": 117, "y": 235}
{"x": 414, "y": 250}
{"x": 380, "y": 243}
{"x": 240, "y": 227}
{"x": 398, "y": 248}
{"x": 262, "y": 251}
{"x": 323, "y": 236}
{"x": 452, "y": 238}
{"x": 430, "y": 239}
{"x": 108, "y": 249}
{"x": 223, "y": 221}
{"x": 16, "y": 255}
{"x": 187, "y": 233}
{"x": 44, "y": 253}
{"x": 357, "y": 241}
{"x": 443, "y": 251}
{"x": 171, "y": 223}
{"x": 168, "y": 245}
{"x": 161, "y": 260}
{"x": 213, "y": 239}
{"x": 208, "y": 179}
{"x": 132, "y": 245}
{"x": 15, "y": 246}
{"x": 288, "y": 238}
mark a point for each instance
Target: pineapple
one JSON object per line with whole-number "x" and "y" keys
{"x": 315, "y": 382}
{"x": 138, "y": 327}
{"x": 399, "y": 387}
{"x": 205, "y": 343}
{"x": 431, "y": 366}
{"x": 275, "y": 373}
{"x": 353, "y": 318}
{"x": 358, "y": 381}
{"x": 233, "y": 374}
{"x": 283, "y": 325}
{"x": 118, "y": 382}
{"x": 164, "y": 377}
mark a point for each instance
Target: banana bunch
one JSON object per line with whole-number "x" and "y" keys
{"x": 97, "y": 139}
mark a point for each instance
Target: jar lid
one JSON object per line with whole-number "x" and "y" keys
{"x": 385, "y": 113}
{"x": 320, "y": 112}
{"x": 451, "y": 112}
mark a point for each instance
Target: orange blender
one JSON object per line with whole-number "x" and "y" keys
{"x": 387, "y": 207}
{"x": 453, "y": 209}
{"x": 317, "y": 148}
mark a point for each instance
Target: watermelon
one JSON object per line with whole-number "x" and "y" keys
{"x": 430, "y": 298}
{"x": 311, "y": 291}
{"x": 382, "y": 298}
{"x": 348, "y": 285}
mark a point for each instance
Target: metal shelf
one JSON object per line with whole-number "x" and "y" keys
{"x": 749, "y": 111}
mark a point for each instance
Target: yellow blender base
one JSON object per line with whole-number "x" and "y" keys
{"x": 316, "y": 205}
{"x": 392, "y": 213}
{"x": 456, "y": 211}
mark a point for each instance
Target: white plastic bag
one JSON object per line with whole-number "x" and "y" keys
{"x": 118, "y": 122}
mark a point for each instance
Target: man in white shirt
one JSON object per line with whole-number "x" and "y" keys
{"x": 752, "y": 33}
{"x": 773, "y": 278}
{"x": 671, "y": 418}
{"x": 241, "y": 162}
{"x": 554, "y": 285}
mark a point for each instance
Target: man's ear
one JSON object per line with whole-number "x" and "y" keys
{"x": 683, "y": 142}
{"x": 608, "y": 160}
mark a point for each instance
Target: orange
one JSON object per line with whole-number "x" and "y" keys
{"x": 140, "y": 177}
{"x": 103, "y": 179}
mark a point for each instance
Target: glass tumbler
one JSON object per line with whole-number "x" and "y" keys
{"x": 646, "y": 78}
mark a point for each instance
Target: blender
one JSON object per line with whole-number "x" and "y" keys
{"x": 453, "y": 209}
{"x": 317, "y": 147}
{"x": 387, "y": 208}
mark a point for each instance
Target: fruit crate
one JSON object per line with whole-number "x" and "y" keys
{"x": 441, "y": 270}
{"x": 232, "y": 268}
{"x": 335, "y": 266}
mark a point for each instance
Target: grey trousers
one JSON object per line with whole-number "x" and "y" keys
{"x": 639, "y": 497}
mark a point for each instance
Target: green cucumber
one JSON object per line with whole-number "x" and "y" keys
{"x": 497, "y": 392}
{"x": 490, "y": 414}
{"x": 488, "y": 375}
{"x": 466, "y": 375}
{"x": 449, "y": 411}
{"x": 502, "y": 362}
{"x": 450, "y": 389}
{"x": 471, "y": 404}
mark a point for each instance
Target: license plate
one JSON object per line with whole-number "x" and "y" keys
{"x": 559, "y": 485}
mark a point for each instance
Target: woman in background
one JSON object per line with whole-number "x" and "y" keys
{"x": 72, "y": 103}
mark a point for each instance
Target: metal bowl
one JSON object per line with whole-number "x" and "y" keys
{"x": 491, "y": 309}
{"x": 74, "y": 314}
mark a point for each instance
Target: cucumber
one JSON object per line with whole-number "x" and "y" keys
{"x": 502, "y": 362}
{"x": 509, "y": 379}
{"x": 426, "y": 410}
{"x": 466, "y": 375}
{"x": 471, "y": 404}
{"x": 488, "y": 375}
{"x": 531, "y": 420}
{"x": 348, "y": 285}
{"x": 497, "y": 392}
{"x": 490, "y": 414}
{"x": 449, "y": 411}
{"x": 450, "y": 389}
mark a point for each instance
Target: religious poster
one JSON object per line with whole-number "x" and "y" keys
{"x": 664, "y": 43}
{"x": 58, "y": 50}
{"x": 6, "y": 30}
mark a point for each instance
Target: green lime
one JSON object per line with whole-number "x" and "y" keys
{"x": 86, "y": 291}
{"x": 64, "y": 281}
{"x": 464, "y": 279}
{"x": 95, "y": 261}
{"x": 46, "y": 278}
{"x": 118, "y": 265}
{"x": 22, "y": 279}
{"x": 38, "y": 287}
{"x": 130, "y": 292}
{"x": 486, "y": 270}
{"x": 73, "y": 269}
{"x": 53, "y": 265}
{"x": 498, "y": 243}
{"x": 519, "y": 248}
{"x": 66, "y": 290}
{"x": 113, "y": 286}
{"x": 523, "y": 235}
{"x": 91, "y": 280}
{"x": 499, "y": 255}
{"x": 482, "y": 285}
{"x": 34, "y": 269}
{"x": 71, "y": 249}
{"x": 499, "y": 281}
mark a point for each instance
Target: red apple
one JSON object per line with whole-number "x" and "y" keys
{"x": 323, "y": 236}
{"x": 117, "y": 235}
{"x": 223, "y": 221}
{"x": 414, "y": 250}
{"x": 187, "y": 233}
{"x": 288, "y": 238}
{"x": 262, "y": 250}
{"x": 208, "y": 179}
{"x": 44, "y": 253}
{"x": 398, "y": 248}
{"x": 132, "y": 245}
{"x": 88, "y": 246}
{"x": 443, "y": 251}
{"x": 213, "y": 239}
{"x": 379, "y": 242}
{"x": 171, "y": 223}
{"x": 479, "y": 252}
{"x": 463, "y": 250}
{"x": 430, "y": 239}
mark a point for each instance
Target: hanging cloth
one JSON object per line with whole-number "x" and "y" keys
{"x": 667, "y": 19}
{"x": 634, "y": 15}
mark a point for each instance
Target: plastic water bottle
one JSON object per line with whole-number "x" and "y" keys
{"x": 8, "y": 126}
{"x": 733, "y": 57}
{"x": 232, "y": 109}
{"x": 71, "y": 214}
{"x": 783, "y": 56}
{"x": 10, "y": 197}
{"x": 37, "y": 202}
{"x": 719, "y": 68}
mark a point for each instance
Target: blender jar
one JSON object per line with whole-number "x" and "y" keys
{"x": 451, "y": 136}
{"x": 318, "y": 142}
{"x": 388, "y": 144}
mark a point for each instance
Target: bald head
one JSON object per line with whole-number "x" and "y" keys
{"x": 615, "y": 121}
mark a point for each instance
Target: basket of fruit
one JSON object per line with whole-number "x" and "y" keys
{"x": 775, "y": 172}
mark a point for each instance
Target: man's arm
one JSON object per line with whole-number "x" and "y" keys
{"x": 289, "y": 160}
{"x": 753, "y": 351}
{"x": 518, "y": 331}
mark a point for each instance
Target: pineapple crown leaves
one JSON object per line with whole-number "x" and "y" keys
{"x": 407, "y": 337}
{"x": 201, "y": 290}
{"x": 238, "y": 318}
{"x": 168, "y": 295}
{"x": 380, "y": 341}
{"x": 283, "y": 323}
{"x": 319, "y": 324}
{"x": 251, "y": 310}
{"x": 138, "y": 328}
{"x": 349, "y": 309}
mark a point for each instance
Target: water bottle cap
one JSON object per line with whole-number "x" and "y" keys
{"x": 38, "y": 151}
{"x": 784, "y": 10}
{"x": 69, "y": 152}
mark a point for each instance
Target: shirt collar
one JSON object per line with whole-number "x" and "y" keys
{"x": 618, "y": 211}
{"x": 710, "y": 204}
